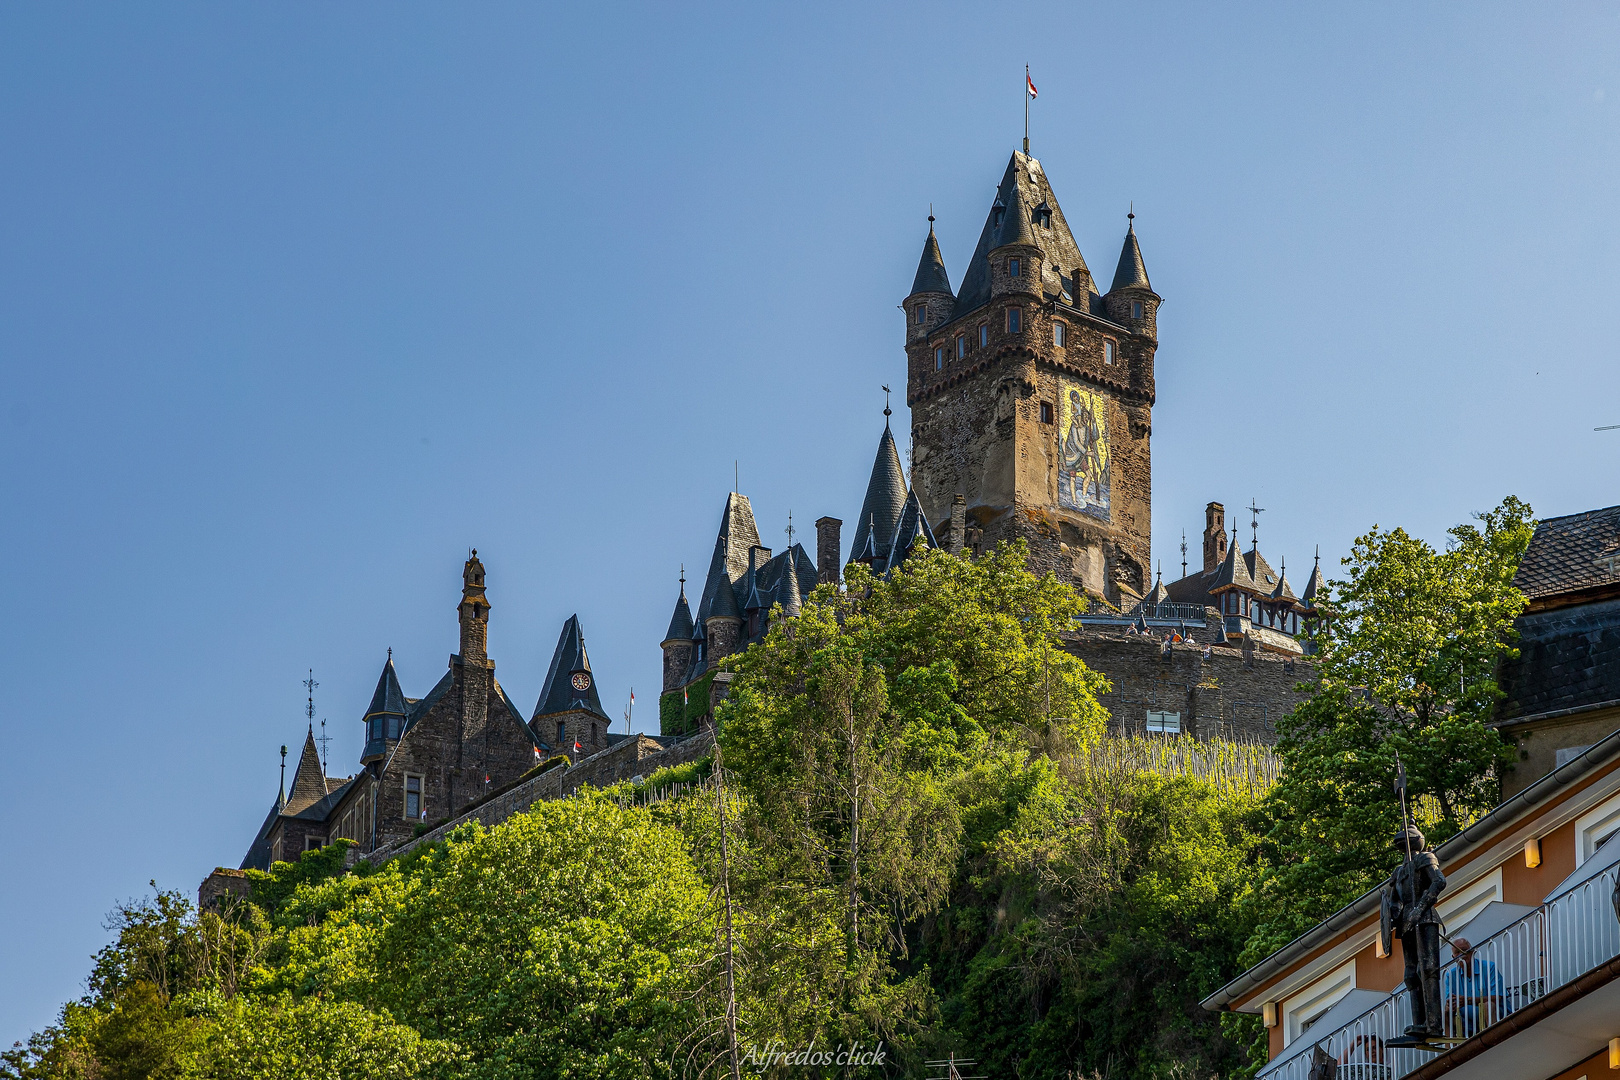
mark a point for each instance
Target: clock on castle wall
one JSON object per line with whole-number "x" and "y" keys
{"x": 582, "y": 681}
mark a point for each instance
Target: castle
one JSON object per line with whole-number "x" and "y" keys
{"x": 1031, "y": 398}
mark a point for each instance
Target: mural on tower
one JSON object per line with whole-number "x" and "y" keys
{"x": 1083, "y": 453}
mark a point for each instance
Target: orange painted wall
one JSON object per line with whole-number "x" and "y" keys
{"x": 1595, "y": 1067}
{"x": 1521, "y": 885}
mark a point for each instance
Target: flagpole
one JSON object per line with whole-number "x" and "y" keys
{"x": 1026, "y": 110}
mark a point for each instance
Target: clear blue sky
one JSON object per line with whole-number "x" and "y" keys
{"x": 297, "y": 303}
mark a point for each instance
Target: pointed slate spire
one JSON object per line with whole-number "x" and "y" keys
{"x": 738, "y": 534}
{"x": 912, "y": 530}
{"x": 388, "y": 699}
{"x": 881, "y": 509}
{"x": 1015, "y": 226}
{"x": 1131, "y": 273}
{"x": 680, "y": 623}
{"x": 569, "y": 685}
{"x": 787, "y": 589}
{"x": 1160, "y": 594}
{"x": 1234, "y": 571}
{"x": 309, "y": 782}
{"x": 1283, "y": 591}
{"x": 1317, "y": 585}
{"x": 931, "y": 275}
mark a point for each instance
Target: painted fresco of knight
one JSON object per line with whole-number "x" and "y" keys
{"x": 1407, "y": 912}
{"x": 1082, "y": 455}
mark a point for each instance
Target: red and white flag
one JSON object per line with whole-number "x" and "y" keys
{"x": 1031, "y": 84}
{"x": 576, "y": 746}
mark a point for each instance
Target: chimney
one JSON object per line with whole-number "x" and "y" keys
{"x": 829, "y": 548}
{"x": 1214, "y": 536}
{"x": 958, "y": 523}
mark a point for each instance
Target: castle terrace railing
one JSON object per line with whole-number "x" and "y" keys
{"x": 1553, "y": 945}
{"x": 1157, "y": 615}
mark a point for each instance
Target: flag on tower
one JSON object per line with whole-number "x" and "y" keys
{"x": 1031, "y": 84}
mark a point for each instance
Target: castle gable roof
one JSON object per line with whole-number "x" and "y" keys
{"x": 931, "y": 275}
{"x": 558, "y": 694}
{"x": 1023, "y": 187}
{"x": 1234, "y": 571}
{"x": 388, "y": 699}
{"x": 729, "y": 562}
{"x": 1263, "y": 579}
{"x": 884, "y": 502}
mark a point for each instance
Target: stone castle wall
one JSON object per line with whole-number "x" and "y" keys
{"x": 1232, "y": 695}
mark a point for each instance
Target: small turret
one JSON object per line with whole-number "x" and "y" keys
{"x": 677, "y": 643}
{"x": 884, "y": 502}
{"x": 473, "y": 612}
{"x": 1131, "y": 301}
{"x": 1015, "y": 260}
{"x": 787, "y": 589}
{"x": 931, "y": 302}
{"x": 1214, "y": 535}
{"x": 723, "y": 623}
{"x": 385, "y": 716}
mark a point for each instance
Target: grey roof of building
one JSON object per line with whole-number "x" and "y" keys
{"x": 1569, "y": 658}
{"x": 884, "y": 502}
{"x": 787, "y": 586}
{"x": 1316, "y": 586}
{"x": 558, "y": 693}
{"x": 1016, "y": 227}
{"x": 388, "y": 699}
{"x": 258, "y": 853}
{"x": 1283, "y": 591}
{"x": 1570, "y": 554}
{"x": 931, "y": 275}
{"x": 1194, "y": 588}
{"x": 309, "y": 779}
{"x": 1235, "y": 569}
{"x": 913, "y": 526}
{"x": 1159, "y": 594}
{"x": 1061, "y": 253}
{"x": 768, "y": 580}
{"x": 322, "y": 809}
{"x": 419, "y": 706}
{"x": 737, "y": 535}
{"x": 680, "y": 623}
{"x": 1261, "y": 573}
{"x": 1130, "y": 273}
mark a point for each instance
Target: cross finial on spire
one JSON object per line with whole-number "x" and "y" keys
{"x": 1183, "y": 552}
{"x": 309, "y": 710}
{"x": 1130, "y": 216}
{"x": 1318, "y": 554}
{"x": 887, "y": 412}
{"x": 390, "y": 652}
{"x": 930, "y": 217}
{"x": 683, "y": 577}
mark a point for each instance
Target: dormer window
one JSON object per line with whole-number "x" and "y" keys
{"x": 1136, "y": 309}
{"x": 1108, "y": 352}
{"x": 1012, "y": 269}
{"x": 922, "y": 314}
{"x": 1015, "y": 320}
{"x": 1043, "y": 215}
{"x": 939, "y": 358}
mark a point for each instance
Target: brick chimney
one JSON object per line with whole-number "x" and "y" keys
{"x": 829, "y": 549}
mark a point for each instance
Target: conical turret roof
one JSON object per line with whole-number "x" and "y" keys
{"x": 787, "y": 589}
{"x": 1316, "y": 587}
{"x": 1131, "y": 273}
{"x": 388, "y": 699}
{"x": 931, "y": 276}
{"x": 913, "y": 527}
{"x": 738, "y": 534}
{"x": 1160, "y": 594}
{"x": 1015, "y": 226}
{"x": 885, "y": 499}
{"x": 680, "y": 623}
{"x": 309, "y": 781}
{"x": 559, "y": 694}
{"x": 1233, "y": 571}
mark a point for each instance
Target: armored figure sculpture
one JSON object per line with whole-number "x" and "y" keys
{"x": 1408, "y": 913}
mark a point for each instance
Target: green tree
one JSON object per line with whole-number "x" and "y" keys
{"x": 1409, "y": 652}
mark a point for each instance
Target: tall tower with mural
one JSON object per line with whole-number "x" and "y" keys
{"x": 1031, "y": 393}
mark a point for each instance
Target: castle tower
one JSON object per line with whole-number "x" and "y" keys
{"x": 880, "y": 510}
{"x": 677, "y": 641}
{"x": 569, "y": 712}
{"x": 473, "y": 612}
{"x": 1033, "y": 398}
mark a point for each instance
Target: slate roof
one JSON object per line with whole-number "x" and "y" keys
{"x": 1160, "y": 594}
{"x": 787, "y": 589}
{"x": 1316, "y": 586}
{"x": 419, "y": 707}
{"x": 258, "y": 853}
{"x": 1062, "y": 254}
{"x": 913, "y": 526}
{"x": 1571, "y": 553}
{"x": 931, "y": 275}
{"x": 388, "y": 699}
{"x": 737, "y": 535}
{"x": 558, "y": 693}
{"x": 309, "y": 780}
{"x": 1234, "y": 570}
{"x": 1016, "y": 221}
{"x": 1130, "y": 273}
{"x": 881, "y": 509}
{"x": 680, "y": 623}
{"x": 1569, "y": 657}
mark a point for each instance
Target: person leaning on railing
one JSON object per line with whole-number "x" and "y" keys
{"x": 1471, "y": 990}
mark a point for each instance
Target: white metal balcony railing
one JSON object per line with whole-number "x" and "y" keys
{"x": 1555, "y": 944}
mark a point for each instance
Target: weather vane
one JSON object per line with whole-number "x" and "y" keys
{"x": 1183, "y": 552}
{"x": 789, "y": 529}
{"x": 1254, "y": 520}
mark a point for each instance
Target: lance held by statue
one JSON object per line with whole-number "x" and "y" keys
{"x": 1407, "y": 912}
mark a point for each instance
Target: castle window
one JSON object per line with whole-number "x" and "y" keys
{"x": 1012, "y": 268}
{"x": 1164, "y": 723}
{"x": 939, "y": 358}
{"x": 961, "y": 346}
{"x": 1046, "y": 412}
{"x": 1136, "y": 309}
{"x": 593, "y": 732}
{"x": 1015, "y": 320}
{"x": 413, "y": 798}
{"x": 313, "y": 843}
{"x": 984, "y": 335}
{"x": 922, "y": 314}
{"x": 560, "y": 734}
{"x": 1108, "y": 351}
{"x": 1060, "y": 334}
